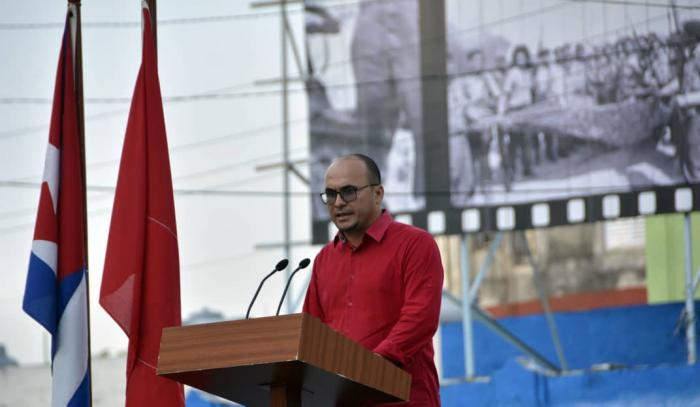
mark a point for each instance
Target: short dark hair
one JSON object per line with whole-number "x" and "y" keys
{"x": 375, "y": 177}
{"x": 521, "y": 49}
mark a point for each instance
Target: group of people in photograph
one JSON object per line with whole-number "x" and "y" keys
{"x": 496, "y": 106}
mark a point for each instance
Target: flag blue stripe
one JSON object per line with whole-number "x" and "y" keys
{"x": 81, "y": 398}
{"x": 40, "y": 294}
{"x": 71, "y": 356}
{"x": 66, "y": 288}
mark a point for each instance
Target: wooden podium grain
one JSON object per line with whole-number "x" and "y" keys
{"x": 290, "y": 360}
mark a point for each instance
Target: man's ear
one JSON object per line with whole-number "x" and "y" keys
{"x": 379, "y": 193}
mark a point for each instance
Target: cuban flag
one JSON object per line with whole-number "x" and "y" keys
{"x": 56, "y": 290}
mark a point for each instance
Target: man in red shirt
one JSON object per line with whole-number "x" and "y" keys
{"x": 379, "y": 282}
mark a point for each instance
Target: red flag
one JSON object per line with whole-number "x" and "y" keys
{"x": 141, "y": 281}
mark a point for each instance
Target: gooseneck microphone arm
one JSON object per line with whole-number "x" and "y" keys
{"x": 302, "y": 265}
{"x": 280, "y": 266}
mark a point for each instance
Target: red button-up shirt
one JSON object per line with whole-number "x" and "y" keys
{"x": 385, "y": 294}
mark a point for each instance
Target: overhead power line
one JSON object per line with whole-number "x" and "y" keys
{"x": 211, "y": 191}
{"x": 274, "y": 13}
{"x": 166, "y": 99}
{"x": 262, "y": 193}
{"x": 185, "y": 20}
{"x": 640, "y": 4}
{"x": 106, "y": 114}
{"x": 215, "y": 95}
{"x": 134, "y": 24}
{"x": 101, "y": 195}
{"x": 6, "y": 134}
{"x": 277, "y": 92}
{"x": 271, "y": 93}
{"x": 192, "y": 145}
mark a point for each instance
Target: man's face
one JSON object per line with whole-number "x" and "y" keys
{"x": 476, "y": 61}
{"x": 358, "y": 215}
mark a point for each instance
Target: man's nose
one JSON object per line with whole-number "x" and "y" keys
{"x": 339, "y": 201}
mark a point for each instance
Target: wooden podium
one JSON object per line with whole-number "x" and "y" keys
{"x": 290, "y": 360}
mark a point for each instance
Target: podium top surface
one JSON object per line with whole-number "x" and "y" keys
{"x": 240, "y": 360}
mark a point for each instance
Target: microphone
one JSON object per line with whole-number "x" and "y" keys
{"x": 280, "y": 266}
{"x": 302, "y": 265}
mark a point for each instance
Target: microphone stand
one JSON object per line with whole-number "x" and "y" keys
{"x": 280, "y": 266}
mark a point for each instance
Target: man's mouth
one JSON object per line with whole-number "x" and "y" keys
{"x": 343, "y": 215}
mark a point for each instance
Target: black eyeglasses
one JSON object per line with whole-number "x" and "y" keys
{"x": 348, "y": 193}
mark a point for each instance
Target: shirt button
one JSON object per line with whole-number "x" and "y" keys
{"x": 349, "y": 303}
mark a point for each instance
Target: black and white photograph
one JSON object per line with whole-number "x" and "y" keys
{"x": 544, "y": 100}
{"x": 557, "y": 99}
{"x": 364, "y": 91}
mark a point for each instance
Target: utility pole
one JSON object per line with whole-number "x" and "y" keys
{"x": 286, "y": 36}
{"x": 285, "y": 137}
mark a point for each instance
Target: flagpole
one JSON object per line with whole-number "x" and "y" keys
{"x": 77, "y": 51}
{"x": 76, "y": 47}
{"x": 152, "y": 9}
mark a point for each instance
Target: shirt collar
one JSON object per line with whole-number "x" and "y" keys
{"x": 376, "y": 230}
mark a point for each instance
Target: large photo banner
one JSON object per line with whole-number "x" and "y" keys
{"x": 554, "y": 100}
{"x": 548, "y": 112}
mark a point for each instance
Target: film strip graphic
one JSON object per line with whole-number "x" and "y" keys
{"x": 569, "y": 211}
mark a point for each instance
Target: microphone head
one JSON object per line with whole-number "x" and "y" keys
{"x": 304, "y": 263}
{"x": 281, "y": 265}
